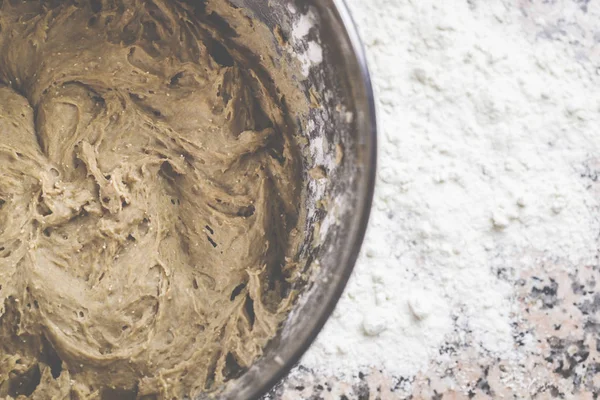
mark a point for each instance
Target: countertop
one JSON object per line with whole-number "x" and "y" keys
{"x": 556, "y": 307}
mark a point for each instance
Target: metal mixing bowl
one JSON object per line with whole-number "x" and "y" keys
{"x": 345, "y": 120}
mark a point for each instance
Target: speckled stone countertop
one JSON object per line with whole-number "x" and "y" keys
{"x": 563, "y": 321}
{"x": 556, "y": 313}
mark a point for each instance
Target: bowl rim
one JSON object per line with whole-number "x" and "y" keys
{"x": 340, "y": 11}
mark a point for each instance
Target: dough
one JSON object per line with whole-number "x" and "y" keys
{"x": 150, "y": 190}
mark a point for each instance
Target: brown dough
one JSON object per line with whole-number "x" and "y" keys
{"x": 149, "y": 202}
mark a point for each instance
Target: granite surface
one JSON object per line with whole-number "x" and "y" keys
{"x": 556, "y": 321}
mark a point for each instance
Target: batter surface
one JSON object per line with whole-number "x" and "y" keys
{"x": 149, "y": 201}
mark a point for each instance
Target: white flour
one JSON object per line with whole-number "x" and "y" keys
{"x": 485, "y": 126}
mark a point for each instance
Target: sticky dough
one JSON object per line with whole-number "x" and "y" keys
{"x": 149, "y": 201}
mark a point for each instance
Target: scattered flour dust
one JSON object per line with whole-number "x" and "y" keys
{"x": 484, "y": 130}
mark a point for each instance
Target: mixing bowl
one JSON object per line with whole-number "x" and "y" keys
{"x": 341, "y": 135}
{"x": 301, "y": 58}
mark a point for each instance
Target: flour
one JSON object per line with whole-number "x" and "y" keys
{"x": 485, "y": 126}
{"x": 308, "y": 52}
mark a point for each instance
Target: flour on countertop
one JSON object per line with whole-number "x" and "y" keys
{"x": 484, "y": 131}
